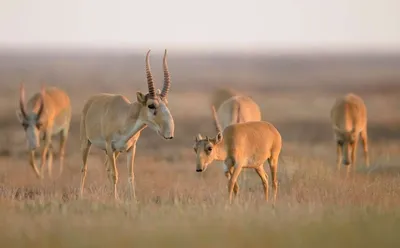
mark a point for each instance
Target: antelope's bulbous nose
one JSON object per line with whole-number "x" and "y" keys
{"x": 199, "y": 170}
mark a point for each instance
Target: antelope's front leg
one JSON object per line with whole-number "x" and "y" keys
{"x": 33, "y": 165}
{"x": 50, "y": 160}
{"x": 364, "y": 139}
{"x": 108, "y": 168}
{"x": 233, "y": 180}
{"x": 354, "y": 153}
{"x": 228, "y": 173}
{"x": 338, "y": 156}
{"x": 113, "y": 165}
{"x": 63, "y": 142}
{"x": 85, "y": 148}
{"x": 46, "y": 146}
{"x": 130, "y": 162}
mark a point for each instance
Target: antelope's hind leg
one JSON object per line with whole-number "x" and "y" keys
{"x": 264, "y": 179}
{"x": 273, "y": 166}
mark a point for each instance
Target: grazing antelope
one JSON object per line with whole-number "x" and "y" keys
{"x": 221, "y": 94}
{"x": 349, "y": 121}
{"x": 47, "y": 112}
{"x": 114, "y": 124}
{"x": 241, "y": 145}
{"x": 237, "y": 109}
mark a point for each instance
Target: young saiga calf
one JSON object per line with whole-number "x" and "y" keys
{"x": 236, "y": 109}
{"x": 47, "y": 112}
{"x": 349, "y": 122}
{"x": 241, "y": 145}
{"x": 114, "y": 124}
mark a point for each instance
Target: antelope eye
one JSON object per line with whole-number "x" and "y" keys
{"x": 25, "y": 125}
{"x": 340, "y": 142}
{"x": 209, "y": 149}
{"x": 151, "y": 106}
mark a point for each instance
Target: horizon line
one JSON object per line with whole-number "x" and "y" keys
{"x": 202, "y": 49}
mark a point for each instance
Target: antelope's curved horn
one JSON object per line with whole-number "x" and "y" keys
{"x": 150, "y": 82}
{"x": 167, "y": 79}
{"x": 40, "y": 111}
{"x": 22, "y": 100}
{"x": 215, "y": 117}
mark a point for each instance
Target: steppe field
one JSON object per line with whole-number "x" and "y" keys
{"x": 178, "y": 207}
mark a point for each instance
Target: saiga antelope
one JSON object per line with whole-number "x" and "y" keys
{"x": 241, "y": 145}
{"x": 47, "y": 112}
{"x": 349, "y": 122}
{"x": 237, "y": 109}
{"x": 112, "y": 123}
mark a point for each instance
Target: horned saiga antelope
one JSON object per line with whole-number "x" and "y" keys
{"x": 112, "y": 123}
{"x": 241, "y": 145}
{"x": 47, "y": 112}
{"x": 349, "y": 122}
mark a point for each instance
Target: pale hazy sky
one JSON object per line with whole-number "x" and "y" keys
{"x": 202, "y": 23}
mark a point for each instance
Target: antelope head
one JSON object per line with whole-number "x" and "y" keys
{"x": 155, "y": 112}
{"x": 31, "y": 121}
{"x": 346, "y": 139}
{"x": 204, "y": 147}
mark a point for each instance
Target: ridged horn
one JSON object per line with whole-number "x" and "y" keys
{"x": 150, "y": 82}
{"x": 167, "y": 79}
{"x": 215, "y": 117}
{"x": 22, "y": 99}
{"x": 40, "y": 111}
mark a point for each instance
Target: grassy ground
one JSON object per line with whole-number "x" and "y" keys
{"x": 178, "y": 207}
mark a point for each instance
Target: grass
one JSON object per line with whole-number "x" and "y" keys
{"x": 178, "y": 207}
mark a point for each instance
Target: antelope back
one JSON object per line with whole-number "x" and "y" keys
{"x": 238, "y": 109}
{"x": 220, "y": 95}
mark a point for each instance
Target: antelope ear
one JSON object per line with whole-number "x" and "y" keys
{"x": 198, "y": 137}
{"x": 218, "y": 138}
{"x": 141, "y": 98}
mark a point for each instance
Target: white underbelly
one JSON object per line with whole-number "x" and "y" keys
{"x": 118, "y": 143}
{"x": 99, "y": 143}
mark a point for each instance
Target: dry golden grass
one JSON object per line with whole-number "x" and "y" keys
{"x": 178, "y": 207}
